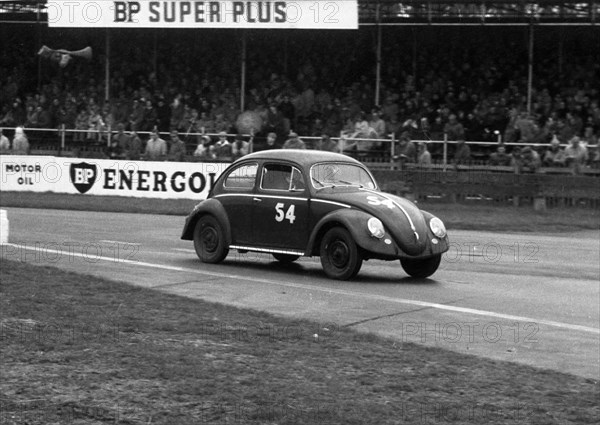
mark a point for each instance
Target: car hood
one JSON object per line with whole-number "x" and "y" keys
{"x": 402, "y": 219}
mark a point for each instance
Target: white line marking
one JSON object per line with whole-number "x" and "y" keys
{"x": 185, "y": 250}
{"x": 120, "y": 242}
{"x": 343, "y": 292}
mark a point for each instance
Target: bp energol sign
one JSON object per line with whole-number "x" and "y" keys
{"x": 167, "y": 180}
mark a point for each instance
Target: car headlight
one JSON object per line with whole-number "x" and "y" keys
{"x": 437, "y": 227}
{"x": 376, "y": 228}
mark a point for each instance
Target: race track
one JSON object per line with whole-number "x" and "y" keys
{"x": 531, "y": 299}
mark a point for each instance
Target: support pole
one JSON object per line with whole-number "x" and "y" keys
{"x": 530, "y": 66}
{"x": 155, "y": 56}
{"x": 243, "y": 76}
{"x": 378, "y": 69}
{"x": 445, "y": 151}
{"x": 107, "y": 67}
{"x": 39, "y": 43}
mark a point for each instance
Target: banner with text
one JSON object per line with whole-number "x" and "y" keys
{"x": 166, "y": 180}
{"x": 300, "y": 14}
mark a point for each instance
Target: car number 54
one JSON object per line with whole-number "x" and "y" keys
{"x": 374, "y": 200}
{"x": 289, "y": 215}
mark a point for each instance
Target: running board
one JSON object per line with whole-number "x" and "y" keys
{"x": 266, "y": 250}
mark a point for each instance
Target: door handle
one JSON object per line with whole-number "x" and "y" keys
{"x": 256, "y": 199}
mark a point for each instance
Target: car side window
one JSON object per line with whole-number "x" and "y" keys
{"x": 242, "y": 177}
{"x": 282, "y": 177}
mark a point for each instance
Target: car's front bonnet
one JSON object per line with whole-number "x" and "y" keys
{"x": 401, "y": 218}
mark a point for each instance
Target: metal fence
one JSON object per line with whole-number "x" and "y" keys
{"x": 93, "y": 143}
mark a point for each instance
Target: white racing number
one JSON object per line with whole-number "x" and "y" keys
{"x": 374, "y": 200}
{"x": 289, "y": 215}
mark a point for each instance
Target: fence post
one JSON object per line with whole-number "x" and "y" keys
{"x": 445, "y": 151}
{"x": 393, "y": 151}
{"x": 62, "y": 137}
{"x": 108, "y": 136}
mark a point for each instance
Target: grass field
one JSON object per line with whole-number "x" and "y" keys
{"x": 79, "y": 349}
{"x": 455, "y": 216}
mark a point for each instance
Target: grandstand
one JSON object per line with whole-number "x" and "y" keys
{"x": 518, "y": 72}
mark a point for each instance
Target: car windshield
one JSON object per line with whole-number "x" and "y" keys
{"x": 331, "y": 174}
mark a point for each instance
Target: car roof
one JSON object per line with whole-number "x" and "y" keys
{"x": 303, "y": 157}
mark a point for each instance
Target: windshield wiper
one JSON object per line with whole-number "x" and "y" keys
{"x": 350, "y": 183}
{"x": 318, "y": 182}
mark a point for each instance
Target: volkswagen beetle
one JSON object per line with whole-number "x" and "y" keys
{"x": 293, "y": 203}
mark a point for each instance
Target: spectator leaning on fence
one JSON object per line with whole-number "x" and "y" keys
{"x": 4, "y": 143}
{"x": 294, "y": 142}
{"x": 326, "y": 144}
{"x": 554, "y": 155}
{"x": 156, "y": 148}
{"x": 133, "y": 147}
{"x": 20, "y": 142}
{"x": 500, "y": 157}
{"x": 202, "y": 148}
{"x": 526, "y": 160}
{"x": 462, "y": 155}
{"x": 240, "y": 147}
{"x": 271, "y": 142}
{"x": 406, "y": 152}
{"x": 576, "y": 154}
{"x": 177, "y": 150}
{"x": 424, "y": 157}
{"x": 223, "y": 146}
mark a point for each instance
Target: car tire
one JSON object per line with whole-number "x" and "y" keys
{"x": 421, "y": 267}
{"x": 209, "y": 240}
{"x": 340, "y": 257}
{"x": 286, "y": 258}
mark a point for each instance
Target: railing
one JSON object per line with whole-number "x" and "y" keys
{"x": 43, "y": 141}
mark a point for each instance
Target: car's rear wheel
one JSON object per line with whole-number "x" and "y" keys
{"x": 286, "y": 258}
{"x": 209, "y": 240}
{"x": 340, "y": 257}
{"x": 422, "y": 267}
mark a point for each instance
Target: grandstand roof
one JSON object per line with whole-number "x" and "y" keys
{"x": 413, "y": 12}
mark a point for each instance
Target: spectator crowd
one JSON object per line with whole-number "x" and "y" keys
{"x": 463, "y": 89}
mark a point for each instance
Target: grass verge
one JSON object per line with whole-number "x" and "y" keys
{"x": 455, "y": 216}
{"x": 79, "y": 349}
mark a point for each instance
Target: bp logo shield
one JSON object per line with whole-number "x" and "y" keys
{"x": 83, "y": 176}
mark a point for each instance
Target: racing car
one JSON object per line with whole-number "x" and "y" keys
{"x": 293, "y": 203}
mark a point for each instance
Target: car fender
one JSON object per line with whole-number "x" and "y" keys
{"x": 355, "y": 221}
{"x": 212, "y": 207}
{"x": 443, "y": 244}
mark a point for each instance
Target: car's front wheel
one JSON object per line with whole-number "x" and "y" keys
{"x": 286, "y": 258}
{"x": 340, "y": 257}
{"x": 209, "y": 240}
{"x": 421, "y": 267}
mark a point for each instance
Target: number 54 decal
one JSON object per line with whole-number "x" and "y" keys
{"x": 374, "y": 200}
{"x": 289, "y": 215}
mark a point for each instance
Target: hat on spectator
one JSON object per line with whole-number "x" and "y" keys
{"x": 273, "y": 135}
{"x": 293, "y": 135}
{"x": 222, "y": 134}
{"x": 19, "y": 131}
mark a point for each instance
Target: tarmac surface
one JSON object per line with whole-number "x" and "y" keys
{"x": 526, "y": 298}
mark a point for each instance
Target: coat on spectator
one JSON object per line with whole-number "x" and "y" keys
{"x": 294, "y": 142}
{"x": 500, "y": 157}
{"x": 20, "y": 142}
{"x": 462, "y": 155}
{"x": 4, "y": 143}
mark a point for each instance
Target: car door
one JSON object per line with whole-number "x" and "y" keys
{"x": 280, "y": 208}
{"x": 236, "y": 198}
